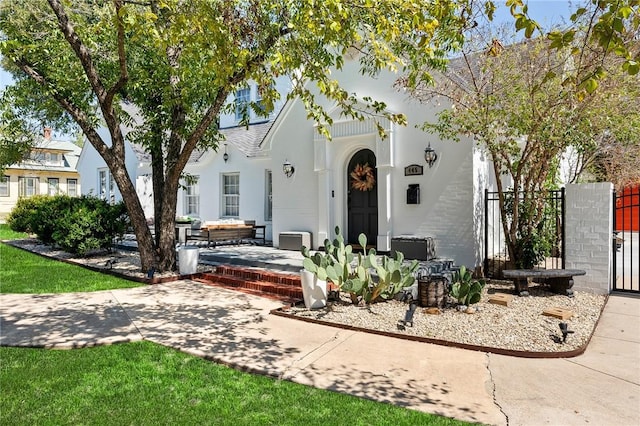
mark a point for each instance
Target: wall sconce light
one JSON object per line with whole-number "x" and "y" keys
{"x": 225, "y": 156}
{"x": 288, "y": 168}
{"x": 430, "y": 155}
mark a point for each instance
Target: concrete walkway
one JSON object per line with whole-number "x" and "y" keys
{"x": 600, "y": 387}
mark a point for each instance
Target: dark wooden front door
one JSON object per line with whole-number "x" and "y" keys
{"x": 362, "y": 193}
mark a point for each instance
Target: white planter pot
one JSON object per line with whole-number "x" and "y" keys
{"x": 314, "y": 291}
{"x": 188, "y": 260}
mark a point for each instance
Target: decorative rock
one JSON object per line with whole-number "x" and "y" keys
{"x": 493, "y": 327}
{"x": 462, "y": 308}
{"x": 432, "y": 311}
{"x": 470, "y": 310}
{"x": 501, "y": 299}
{"x": 560, "y": 313}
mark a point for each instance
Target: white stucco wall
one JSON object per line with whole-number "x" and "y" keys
{"x": 210, "y": 170}
{"x": 90, "y": 162}
{"x": 314, "y": 199}
{"x": 589, "y": 231}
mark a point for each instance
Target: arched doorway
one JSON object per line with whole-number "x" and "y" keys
{"x": 362, "y": 197}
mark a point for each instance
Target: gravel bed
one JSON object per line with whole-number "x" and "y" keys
{"x": 519, "y": 326}
{"x": 122, "y": 262}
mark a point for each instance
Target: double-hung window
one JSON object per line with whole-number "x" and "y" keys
{"x": 192, "y": 197}
{"x": 231, "y": 195}
{"x": 28, "y": 186}
{"x": 53, "y": 186}
{"x": 243, "y": 97}
{"x": 4, "y": 186}
{"x": 106, "y": 186}
{"x": 103, "y": 178}
{"x": 72, "y": 187}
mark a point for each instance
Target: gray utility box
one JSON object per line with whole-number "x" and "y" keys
{"x": 294, "y": 240}
{"x": 414, "y": 247}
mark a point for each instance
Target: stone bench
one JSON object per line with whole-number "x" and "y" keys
{"x": 560, "y": 280}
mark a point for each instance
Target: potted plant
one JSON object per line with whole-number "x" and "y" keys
{"x": 314, "y": 278}
{"x": 465, "y": 289}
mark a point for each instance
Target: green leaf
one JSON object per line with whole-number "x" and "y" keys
{"x": 332, "y": 274}
{"x": 362, "y": 240}
{"x": 322, "y": 274}
{"x": 308, "y": 264}
{"x": 591, "y": 85}
{"x": 474, "y": 298}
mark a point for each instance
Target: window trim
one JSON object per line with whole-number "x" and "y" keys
{"x": 242, "y": 102}
{"x": 187, "y": 197}
{"x": 22, "y": 182}
{"x": 57, "y": 186}
{"x": 224, "y": 206}
{"x": 75, "y": 187}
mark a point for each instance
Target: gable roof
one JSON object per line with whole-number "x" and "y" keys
{"x": 70, "y": 154}
{"x": 248, "y": 140}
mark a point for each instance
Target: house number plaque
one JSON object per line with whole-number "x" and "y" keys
{"x": 413, "y": 170}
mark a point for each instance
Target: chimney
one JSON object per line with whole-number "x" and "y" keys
{"x": 47, "y": 133}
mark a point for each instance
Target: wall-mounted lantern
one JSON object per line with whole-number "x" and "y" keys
{"x": 430, "y": 155}
{"x": 288, "y": 168}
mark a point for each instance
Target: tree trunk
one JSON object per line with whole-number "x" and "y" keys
{"x": 167, "y": 235}
{"x": 146, "y": 247}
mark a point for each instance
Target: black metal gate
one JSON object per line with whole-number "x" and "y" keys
{"x": 626, "y": 250}
{"x": 496, "y": 254}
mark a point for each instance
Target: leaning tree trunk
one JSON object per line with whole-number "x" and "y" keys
{"x": 146, "y": 246}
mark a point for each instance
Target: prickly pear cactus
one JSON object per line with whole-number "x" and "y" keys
{"x": 355, "y": 275}
{"x": 465, "y": 289}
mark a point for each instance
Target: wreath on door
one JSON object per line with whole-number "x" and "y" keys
{"x": 362, "y": 178}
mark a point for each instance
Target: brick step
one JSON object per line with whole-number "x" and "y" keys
{"x": 259, "y": 275}
{"x": 285, "y": 287}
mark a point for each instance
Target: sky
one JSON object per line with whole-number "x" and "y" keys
{"x": 546, "y": 12}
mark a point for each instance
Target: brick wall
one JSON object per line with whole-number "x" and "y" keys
{"x": 588, "y": 231}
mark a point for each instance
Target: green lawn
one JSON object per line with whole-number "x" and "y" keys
{"x": 146, "y": 384}
{"x": 24, "y": 272}
{"x": 7, "y": 234}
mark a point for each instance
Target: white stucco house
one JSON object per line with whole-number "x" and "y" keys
{"x": 403, "y": 196}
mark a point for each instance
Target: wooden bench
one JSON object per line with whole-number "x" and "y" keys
{"x": 560, "y": 280}
{"x": 235, "y": 233}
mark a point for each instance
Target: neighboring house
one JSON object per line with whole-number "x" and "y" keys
{"x": 50, "y": 169}
{"x": 401, "y": 194}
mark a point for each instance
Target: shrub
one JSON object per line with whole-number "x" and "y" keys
{"x": 46, "y": 218}
{"x": 77, "y": 225}
{"x": 21, "y": 217}
{"x": 90, "y": 224}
